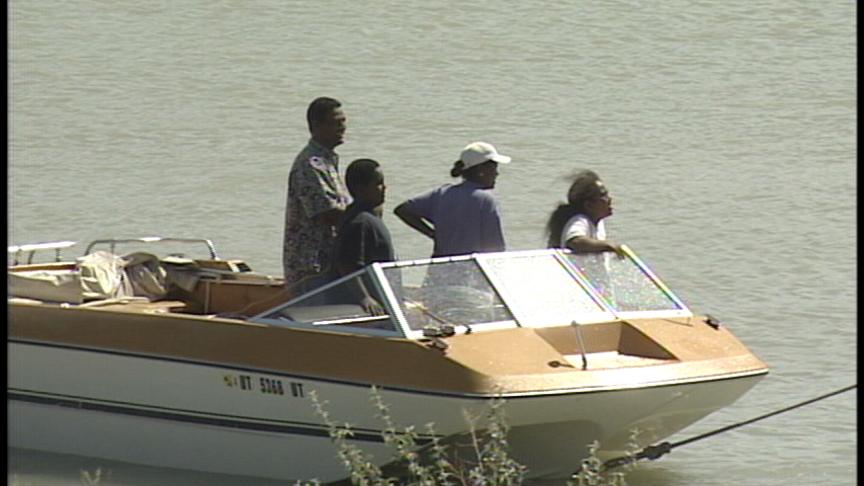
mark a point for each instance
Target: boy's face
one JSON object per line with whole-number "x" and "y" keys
{"x": 373, "y": 192}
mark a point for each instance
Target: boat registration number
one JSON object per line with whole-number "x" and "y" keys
{"x": 265, "y": 385}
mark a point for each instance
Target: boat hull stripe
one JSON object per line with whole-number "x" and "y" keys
{"x": 295, "y": 428}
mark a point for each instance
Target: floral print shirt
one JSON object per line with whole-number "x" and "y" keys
{"x": 314, "y": 187}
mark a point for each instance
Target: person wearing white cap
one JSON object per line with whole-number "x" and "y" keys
{"x": 461, "y": 218}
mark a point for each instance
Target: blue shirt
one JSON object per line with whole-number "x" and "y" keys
{"x": 466, "y": 217}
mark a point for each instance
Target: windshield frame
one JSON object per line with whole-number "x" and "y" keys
{"x": 402, "y": 329}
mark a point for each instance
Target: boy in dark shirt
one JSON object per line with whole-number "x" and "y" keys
{"x": 362, "y": 237}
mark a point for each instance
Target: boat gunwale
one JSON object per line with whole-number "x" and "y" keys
{"x": 764, "y": 370}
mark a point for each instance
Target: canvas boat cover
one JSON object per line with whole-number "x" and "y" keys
{"x": 96, "y": 276}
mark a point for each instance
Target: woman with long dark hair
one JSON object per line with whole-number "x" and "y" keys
{"x": 578, "y": 223}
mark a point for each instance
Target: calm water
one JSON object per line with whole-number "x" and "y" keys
{"x": 725, "y": 131}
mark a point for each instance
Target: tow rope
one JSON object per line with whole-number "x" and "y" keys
{"x": 656, "y": 451}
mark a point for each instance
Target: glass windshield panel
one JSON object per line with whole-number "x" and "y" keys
{"x": 622, "y": 283}
{"x": 344, "y": 304}
{"x": 542, "y": 292}
{"x": 455, "y": 293}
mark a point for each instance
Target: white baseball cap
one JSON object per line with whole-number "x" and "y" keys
{"x": 478, "y": 152}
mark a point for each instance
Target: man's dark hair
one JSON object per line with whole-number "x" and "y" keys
{"x": 360, "y": 173}
{"x": 319, "y": 109}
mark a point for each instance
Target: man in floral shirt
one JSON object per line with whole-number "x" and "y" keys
{"x": 316, "y": 195}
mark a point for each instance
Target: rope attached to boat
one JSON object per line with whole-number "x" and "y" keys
{"x": 656, "y": 451}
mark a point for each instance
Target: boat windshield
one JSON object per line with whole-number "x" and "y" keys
{"x": 542, "y": 291}
{"x": 540, "y": 288}
{"x": 356, "y": 303}
{"x": 625, "y": 283}
{"x": 453, "y": 293}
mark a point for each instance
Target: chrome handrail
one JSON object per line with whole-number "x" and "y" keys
{"x": 31, "y": 250}
{"x": 112, "y": 242}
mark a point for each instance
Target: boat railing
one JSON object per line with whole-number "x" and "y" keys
{"x": 27, "y": 252}
{"x": 113, "y": 242}
{"x": 30, "y": 250}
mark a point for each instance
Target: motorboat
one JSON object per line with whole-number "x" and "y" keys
{"x": 202, "y": 363}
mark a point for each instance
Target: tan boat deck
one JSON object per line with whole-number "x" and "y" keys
{"x": 611, "y": 359}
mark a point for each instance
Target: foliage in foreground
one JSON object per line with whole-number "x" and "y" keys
{"x": 492, "y": 464}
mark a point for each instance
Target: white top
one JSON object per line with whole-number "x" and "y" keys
{"x": 581, "y": 225}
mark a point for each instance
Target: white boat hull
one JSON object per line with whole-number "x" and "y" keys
{"x": 209, "y": 417}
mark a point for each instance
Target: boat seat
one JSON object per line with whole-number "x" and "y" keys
{"x": 314, "y": 313}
